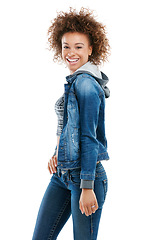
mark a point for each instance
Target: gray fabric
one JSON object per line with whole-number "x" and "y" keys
{"x": 93, "y": 70}
{"x": 87, "y": 184}
{"x": 59, "y": 109}
{"x": 90, "y": 68}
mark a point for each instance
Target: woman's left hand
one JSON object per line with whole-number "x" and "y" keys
{"x": 88, "y": 202}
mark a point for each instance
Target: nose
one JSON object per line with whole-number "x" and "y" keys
{"x": 71, "y": 53}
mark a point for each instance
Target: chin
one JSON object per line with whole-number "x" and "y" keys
{"x": 72, "y": 70}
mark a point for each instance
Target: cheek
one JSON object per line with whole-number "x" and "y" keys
{"x": 63, "y": 55}
{"x": 85, "y": 56}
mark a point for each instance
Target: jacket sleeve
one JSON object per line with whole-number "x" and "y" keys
{"x": 88, "y": 98}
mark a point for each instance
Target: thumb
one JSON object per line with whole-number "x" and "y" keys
{"x": 81, "y": 207}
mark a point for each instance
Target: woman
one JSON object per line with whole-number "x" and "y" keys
{"x": 79, "y": 183}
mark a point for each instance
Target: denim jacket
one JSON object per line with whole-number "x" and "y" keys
{"x": 83, "y": 141}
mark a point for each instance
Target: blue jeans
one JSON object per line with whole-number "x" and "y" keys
{"x": 61, "y": 199}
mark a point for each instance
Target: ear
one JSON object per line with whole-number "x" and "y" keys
{"x": 90, "y": 50}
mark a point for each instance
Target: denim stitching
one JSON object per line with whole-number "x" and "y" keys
{"x": 91, "y": 227}
{"x": 100, "y": 174}
{"x": 75, "y": 183}
{"x": 58, "y": 219}
{"x": 105, "y": 185}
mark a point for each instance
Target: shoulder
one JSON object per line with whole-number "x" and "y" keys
{"x": 86, "y": 83}
{"x": 84, "y": 79}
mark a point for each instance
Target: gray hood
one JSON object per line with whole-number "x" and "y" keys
{"x": 94, "y": 71}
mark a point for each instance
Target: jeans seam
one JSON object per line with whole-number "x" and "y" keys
{"x": 91, "y": 227}
{"x": 58, "y": 218}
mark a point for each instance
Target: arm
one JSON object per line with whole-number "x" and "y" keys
{"x": 87, "y": 93}
{"x": 89, "y": 103}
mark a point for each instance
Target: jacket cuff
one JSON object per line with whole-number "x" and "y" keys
{"x": 87, "y": 184}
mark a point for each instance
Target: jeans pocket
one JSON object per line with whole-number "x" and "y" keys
{"x": 105, "y": 185}
{"x": 75, "y": 179}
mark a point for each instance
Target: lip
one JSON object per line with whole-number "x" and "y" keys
{"x": 72, "y": 61}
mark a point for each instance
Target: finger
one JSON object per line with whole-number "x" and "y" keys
{"x": 52, "y": 166}
{"x": 81, "y": 208}
{"x": 96, "y": 205}
{"x": 55, "y": 161}
{"x": 93, "y": 209}
{"x": 89, "y": 210}
{"x": 49, "y": 168}
{"x": 86, "y": 211}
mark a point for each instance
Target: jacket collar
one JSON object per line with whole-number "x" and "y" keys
{"x": 71, "y": 78}
{"x": 93, "y": 70}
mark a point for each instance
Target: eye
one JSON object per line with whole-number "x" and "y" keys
{"x": 78, "y": 47}
{"x": 65, "y": 47}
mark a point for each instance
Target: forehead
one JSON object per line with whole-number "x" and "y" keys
{"x": 75, "y": 37}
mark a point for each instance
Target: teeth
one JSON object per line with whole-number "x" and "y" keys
{"x": 72, "y": 60}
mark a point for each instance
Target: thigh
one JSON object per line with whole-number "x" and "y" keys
{"x": 55, "y": 209}
{"x": 100, "y": 184}
{"x": 86, "y": 228}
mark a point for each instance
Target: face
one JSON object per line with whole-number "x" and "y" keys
{"x": 75, "y": 50}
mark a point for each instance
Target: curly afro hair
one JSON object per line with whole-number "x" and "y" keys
{"x": 82, "y": 22}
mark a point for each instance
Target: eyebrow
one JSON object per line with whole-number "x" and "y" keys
{"x": 75, "y": 43}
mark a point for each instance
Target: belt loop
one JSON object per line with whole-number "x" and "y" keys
{"x": 59, "y": 172}
{"x": 69, "y": 175}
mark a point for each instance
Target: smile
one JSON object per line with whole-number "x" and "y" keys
{"x": 72, "y": 60}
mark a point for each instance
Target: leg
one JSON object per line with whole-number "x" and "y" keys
{"x": 86, "y": 228}
{"x": 54, "y": 211}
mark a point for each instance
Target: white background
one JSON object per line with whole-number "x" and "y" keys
{"x": 30, "y": 83}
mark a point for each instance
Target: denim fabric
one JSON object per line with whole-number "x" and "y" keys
{"x": 83, "y": 142}
{"x": 61, "y": 199}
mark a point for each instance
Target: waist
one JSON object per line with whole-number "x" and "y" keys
{"x": 61, "y": 171}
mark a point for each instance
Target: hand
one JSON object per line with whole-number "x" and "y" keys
{"x": 52, "y": 164}
{"x": 87, "y": 201}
